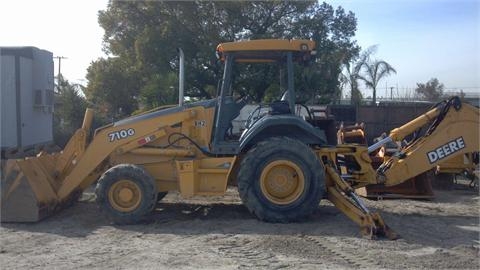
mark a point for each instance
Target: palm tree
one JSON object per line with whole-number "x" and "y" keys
{"x": 351, "y": 73}
{"x": 350, "y": 78}
{"x": 374, "y": 72}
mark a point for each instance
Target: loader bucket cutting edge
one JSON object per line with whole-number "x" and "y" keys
{"x": 27, "y": 190}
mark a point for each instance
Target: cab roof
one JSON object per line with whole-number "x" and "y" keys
{"x": 267, "y": 50}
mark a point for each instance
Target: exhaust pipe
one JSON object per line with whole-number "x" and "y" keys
{"x": 181, "y": 79}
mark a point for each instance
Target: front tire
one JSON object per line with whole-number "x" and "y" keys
{"x": 281, "y": 180}
{"x": 126, "y": 193}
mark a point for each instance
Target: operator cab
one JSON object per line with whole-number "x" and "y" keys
{"x": 236, "y": 55}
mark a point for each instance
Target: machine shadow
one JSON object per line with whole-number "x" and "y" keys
{"x": 231, "y": 219}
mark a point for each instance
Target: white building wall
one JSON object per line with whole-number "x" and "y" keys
{"x": 32, "y": 122}
{"x": 8, "y": 102}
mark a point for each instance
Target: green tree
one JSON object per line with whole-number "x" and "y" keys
{"x": 373, "y": 72}
{"x": 112, "y": 86}
{"x": 69, "y": 111}
{"x": 152, "y": 97}
{"x": 141, "y": 38}
{"x": 432, "y": 90}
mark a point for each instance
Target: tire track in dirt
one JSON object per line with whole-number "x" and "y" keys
{"x": 248, "y": 255}
{"x": 288, "y": 251}
{"x": 362, "y": 262}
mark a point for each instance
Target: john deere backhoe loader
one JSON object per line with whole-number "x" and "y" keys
{"x": 282, "y": 164}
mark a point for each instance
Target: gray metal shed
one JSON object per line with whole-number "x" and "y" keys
{"x": 26, "y": 97}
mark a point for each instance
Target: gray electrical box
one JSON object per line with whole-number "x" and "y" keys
{"x": 26, "y": 97}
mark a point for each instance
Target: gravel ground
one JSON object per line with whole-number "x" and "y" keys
{"x": 219, "y": 233}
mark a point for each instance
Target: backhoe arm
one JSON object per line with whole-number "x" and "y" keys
{"x": 400, "y": 133}
{"x": 454, "y": 132}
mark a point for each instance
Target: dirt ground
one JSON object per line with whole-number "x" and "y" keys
{"x": 219, "y": 233}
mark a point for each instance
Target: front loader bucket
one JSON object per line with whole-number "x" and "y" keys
{"x": 31, "y": 188}
{"x": 27, "y": 190}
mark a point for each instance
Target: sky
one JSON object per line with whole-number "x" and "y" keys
{"x": 68, "y": 28}
{"x": 421, "y": 39}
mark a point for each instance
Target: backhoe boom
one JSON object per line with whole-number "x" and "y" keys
{"x": 454, "y": 132}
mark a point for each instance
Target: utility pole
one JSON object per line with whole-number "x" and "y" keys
{"x": 59, "y": 65}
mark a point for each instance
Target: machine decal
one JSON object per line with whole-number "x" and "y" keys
{"x": 147, "y": 139}
{"x": 446, "y": 150}
{"x": 200, "y": 123}
{"x": 121, "y": 134}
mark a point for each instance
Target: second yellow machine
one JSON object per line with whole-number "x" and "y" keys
{"x": 282, "y": 163}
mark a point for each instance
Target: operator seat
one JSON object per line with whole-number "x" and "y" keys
{"x": 230, "y": 110}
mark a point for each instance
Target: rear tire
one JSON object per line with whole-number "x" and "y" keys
{"x": 126, "y": 194}
{"x": 281, "y": 180}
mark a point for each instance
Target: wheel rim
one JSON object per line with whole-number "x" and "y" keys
{"x": 124, "y": 195}
{"x": 282, "y": 182}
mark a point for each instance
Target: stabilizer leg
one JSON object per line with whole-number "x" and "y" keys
{"x": 341, "y": 194}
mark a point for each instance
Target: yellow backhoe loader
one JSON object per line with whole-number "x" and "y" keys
{"x": 283, "y": 165}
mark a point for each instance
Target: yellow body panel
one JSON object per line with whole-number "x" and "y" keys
{"x": 206, "y": 176}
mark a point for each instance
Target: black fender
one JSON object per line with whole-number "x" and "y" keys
{"x": 291, "y": 126}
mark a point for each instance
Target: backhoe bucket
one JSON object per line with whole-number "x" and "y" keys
{"x": 27, "y": 190}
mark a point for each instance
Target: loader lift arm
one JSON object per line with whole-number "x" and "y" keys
{"x": 52, "y": 181}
